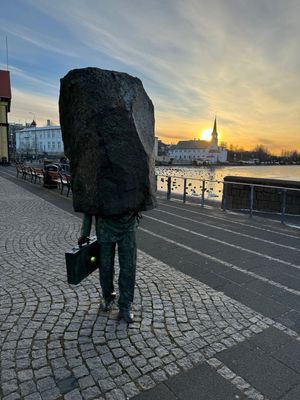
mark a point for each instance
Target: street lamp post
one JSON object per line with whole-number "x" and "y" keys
{"x": 35, "y": 138}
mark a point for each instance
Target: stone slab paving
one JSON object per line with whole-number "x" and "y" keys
{"x": 57, "y": 344}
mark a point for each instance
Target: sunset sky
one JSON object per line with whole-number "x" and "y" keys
{"x": 236, "y": 59}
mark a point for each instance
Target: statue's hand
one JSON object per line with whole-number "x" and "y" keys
{"x": 82, "y": 240}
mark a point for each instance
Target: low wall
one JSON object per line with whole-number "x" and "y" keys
{"x": 264, "y": 199}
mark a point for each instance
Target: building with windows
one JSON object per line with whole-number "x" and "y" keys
{"x": 199, "y": 151}
{"x": 12, "y": 129}
{"x": 5, "y": 98}
{"x": 161, "y": 152}
{"x": 38, "y": 141}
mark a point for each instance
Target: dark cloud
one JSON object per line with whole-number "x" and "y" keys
{"x": 263, "y": 140}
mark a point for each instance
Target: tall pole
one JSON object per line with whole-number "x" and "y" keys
{"x": 35, "y": 141}
{"x": 6, "y": 54}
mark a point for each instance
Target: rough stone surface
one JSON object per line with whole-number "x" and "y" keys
{"x": 107, "y": 123}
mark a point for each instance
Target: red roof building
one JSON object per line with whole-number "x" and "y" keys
{"x": 5, "y": 91}
{"x": 5, "y": 98}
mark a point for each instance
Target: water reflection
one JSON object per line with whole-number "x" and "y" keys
{"x": 194, "y": 182}
{"x": 214, "y": 177}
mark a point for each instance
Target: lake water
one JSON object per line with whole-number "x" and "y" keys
{"x": 215, "y": 175}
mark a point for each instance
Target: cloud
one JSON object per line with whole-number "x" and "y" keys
{"x": 25, "y": 103}
{"x": 36, "y": 38}
{"x": 265, "y": 141}
{"x": 17, "y": 72}
{"x": 239, "y": 60}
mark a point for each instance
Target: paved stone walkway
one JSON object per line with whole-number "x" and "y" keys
{"x": 56, "y": 343}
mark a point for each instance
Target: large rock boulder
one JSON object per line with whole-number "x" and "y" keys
{"x": 107, "y": 123}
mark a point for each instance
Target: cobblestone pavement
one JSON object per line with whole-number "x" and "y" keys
{"x": 57, "y": 344}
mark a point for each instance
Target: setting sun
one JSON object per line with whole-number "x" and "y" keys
{"x": 206, "y": 134}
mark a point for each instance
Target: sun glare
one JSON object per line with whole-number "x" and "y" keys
{"x": 206, "y": 134}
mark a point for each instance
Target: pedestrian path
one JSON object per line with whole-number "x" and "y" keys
{"x": 57, "y": 344}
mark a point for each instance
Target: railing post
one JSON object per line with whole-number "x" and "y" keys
{"x": 184, "y": 189}
{"x": 283, "y": 205}
{"x": 251, "y": 200}
{"x": 225, "y": 194}
{"x": 203, "y": 193}
{"x": 169, "y": 188}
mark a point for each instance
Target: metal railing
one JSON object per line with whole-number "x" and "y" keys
{"x": 203, "y": 187}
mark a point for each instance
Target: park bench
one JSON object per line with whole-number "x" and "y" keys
{"x": 37, "y": 174}
{"x": 65, "y": 181}
{"x": 26, "y": 172}
{"x": 19, "y": 169}
{"x": 51, "y": 179}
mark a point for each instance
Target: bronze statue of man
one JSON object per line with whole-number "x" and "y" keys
{"x": 107, "y": 123}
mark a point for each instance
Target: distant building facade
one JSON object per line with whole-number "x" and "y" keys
{"x": 161, "y": 152}
{"x": 199, "y": 151}
{"x": 5, "y": 99}
{"x": 35, "y": 140}
{"x": 12, "y": 129}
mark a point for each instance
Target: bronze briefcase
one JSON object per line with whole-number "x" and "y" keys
{"x": 82, "y": 261}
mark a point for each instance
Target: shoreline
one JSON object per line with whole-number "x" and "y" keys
{"x": 218, "y": 172}
{"x": 225, "y": 165}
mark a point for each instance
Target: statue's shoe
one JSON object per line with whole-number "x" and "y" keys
{"x": 126, "y": 315}
{"x": 107, "y": 305}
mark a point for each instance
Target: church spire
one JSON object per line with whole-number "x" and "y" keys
{"x": 214, "y": 134}
{"x": 215, "y": 126}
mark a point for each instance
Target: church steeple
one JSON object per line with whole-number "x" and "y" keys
{"x": 214, "y": 134}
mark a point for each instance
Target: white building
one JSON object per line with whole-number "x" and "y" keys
{"x": 199, "y": 151}
{"x": 40, "y": 140}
